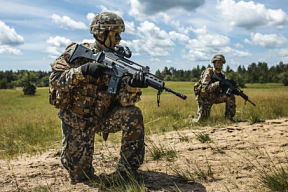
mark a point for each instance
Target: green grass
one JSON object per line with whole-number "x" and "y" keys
{"x": 29, "y": 124}
{"x": 158, "y": 152}
{"x": 269, "y": 175}
{"x": 203, "y": 137}
{"x": 192, "y": 172}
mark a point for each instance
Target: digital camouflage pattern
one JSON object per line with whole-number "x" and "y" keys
{"x": 210, "y": 93}
{"x": 218, "y": 57}
{"x": 86, "y": 108}
{"x": 205, "y": 104}
{"x": 78, "y": 144}
{"x": 106, "y": 21}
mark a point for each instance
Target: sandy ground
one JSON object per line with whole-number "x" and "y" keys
{"x": 225, "y": 157}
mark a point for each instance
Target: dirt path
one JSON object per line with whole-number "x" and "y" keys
{"x": 222, "y": 161}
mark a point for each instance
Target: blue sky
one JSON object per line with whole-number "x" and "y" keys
{"x": 173, "y": 33}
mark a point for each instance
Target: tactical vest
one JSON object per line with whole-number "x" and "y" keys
{"x": 87, "y": 98}
{"x": 198, "y": 86}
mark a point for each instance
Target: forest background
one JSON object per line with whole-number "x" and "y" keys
{"x": 255, "y": 73}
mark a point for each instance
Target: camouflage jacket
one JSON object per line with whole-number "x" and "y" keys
{"x": 84, "y": 100}
{"x": 208, "y": 86}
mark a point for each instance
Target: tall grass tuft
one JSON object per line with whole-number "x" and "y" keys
{"x": 192, "y": 173}
{"x": 158, "y": 152}
{"x": 269, "y": 175}
{"x": 254, "y": 115}
{"x": 203, "y": 137}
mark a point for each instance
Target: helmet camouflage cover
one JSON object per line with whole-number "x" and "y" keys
{"x": 106, "y": 21}
{"x": 218, "y": 57}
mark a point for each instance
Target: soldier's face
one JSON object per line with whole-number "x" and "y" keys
{"x": 218, "y": 64}
{"x": 113, "y": 39}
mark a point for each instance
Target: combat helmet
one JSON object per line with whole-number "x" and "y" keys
{"x": 106, "y": 21}
{"x": 218, "y": 57}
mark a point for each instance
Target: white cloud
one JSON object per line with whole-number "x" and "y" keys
{"x": 280, "y": 52}
{"x": 268, "y": 41}
{"x": 151, "y": 7}
{"x": 90, "y": 16}
{"x": 181, "y": 37}
{"x": 152, "y": 41}
{"x": 232, "y": 62}
{"x": 58, "y": 41}
{"x": 250, "y": 15}
{"x": 167, "y": 19}
{"x": 155, "y": 59}
{"x": 234, "y": 52}
{"x": 168, "y": 61}
{"x": 238, "y": 45}
{"x": 67, "y": 21}
{"x": 205, "y": 45}
{"x": 7, "y": 49}
{"x": 196, "y": 55}
{"x": 248, "y": 42}
{"x": 8, "y": 36}
{"x": 130, "y": 27}
{"x": 53, "y": 52}
{"x": 104, "y": 9}
{"x": 88, "y": 41}
{"x": 208, "y": 40}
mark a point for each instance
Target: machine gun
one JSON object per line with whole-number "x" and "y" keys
{"x": 231, "y": 88}
{"x": 120, "y": 67}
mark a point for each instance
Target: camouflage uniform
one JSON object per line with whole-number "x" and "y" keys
{"x": 86, "y": 108}
{"x": 210, "y": 93}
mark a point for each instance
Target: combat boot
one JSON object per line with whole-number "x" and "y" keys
{"x": 230, "y": 118}
{"x": 191, "y": 119}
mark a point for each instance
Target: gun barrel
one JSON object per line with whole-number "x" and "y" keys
{"x": 251, "y": 102}
{"x": 177, "y": 94}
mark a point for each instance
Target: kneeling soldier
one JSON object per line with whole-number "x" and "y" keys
{"x": 79, "y": 90}
{"x": 208, "y": 91}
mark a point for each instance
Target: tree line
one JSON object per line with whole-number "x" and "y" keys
{"x": 255, "y": 73}
{"x": 28, "y": 80}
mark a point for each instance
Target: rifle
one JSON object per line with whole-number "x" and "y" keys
{"x": 120, "y": 67}
{"x": 232, "y": 88}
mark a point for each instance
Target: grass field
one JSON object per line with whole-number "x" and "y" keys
{"x": 30, "y": 124}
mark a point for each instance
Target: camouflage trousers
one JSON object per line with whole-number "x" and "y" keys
{"x": 205, "y": 104}
{"x": 78, "y": 144}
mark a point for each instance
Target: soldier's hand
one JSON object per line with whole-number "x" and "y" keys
{"x": 224, "y": 84}
{"x": 138, "y": 80}
{"x": 233, "y": 82}
{"x": 93, "y": 69}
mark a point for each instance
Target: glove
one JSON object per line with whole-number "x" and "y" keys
{"x": 138, "y": 80}
{"x": 93, "y": 69}
{"x": 224, "y": 84}
{"x": 232, "y": 82}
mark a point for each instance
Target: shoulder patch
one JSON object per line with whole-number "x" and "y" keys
{"x": 60, "y": 64}
{"x": 70, "y": 45}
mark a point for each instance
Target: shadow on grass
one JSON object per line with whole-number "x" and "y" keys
{"x": 149, "y": 181}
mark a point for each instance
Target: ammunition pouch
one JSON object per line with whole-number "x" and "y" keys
{"x": 59, "y": 98}
{"x": 197, "y": 88}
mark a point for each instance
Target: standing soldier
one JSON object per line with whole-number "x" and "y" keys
{"x": 208, "y": 91}
{"x": 79, "y": 90}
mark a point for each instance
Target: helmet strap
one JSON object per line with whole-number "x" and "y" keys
{"x": 105, "y": 38}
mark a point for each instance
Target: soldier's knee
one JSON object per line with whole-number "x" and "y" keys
{"x": 231, "y": 97}
{"x": 135, "y": 113}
